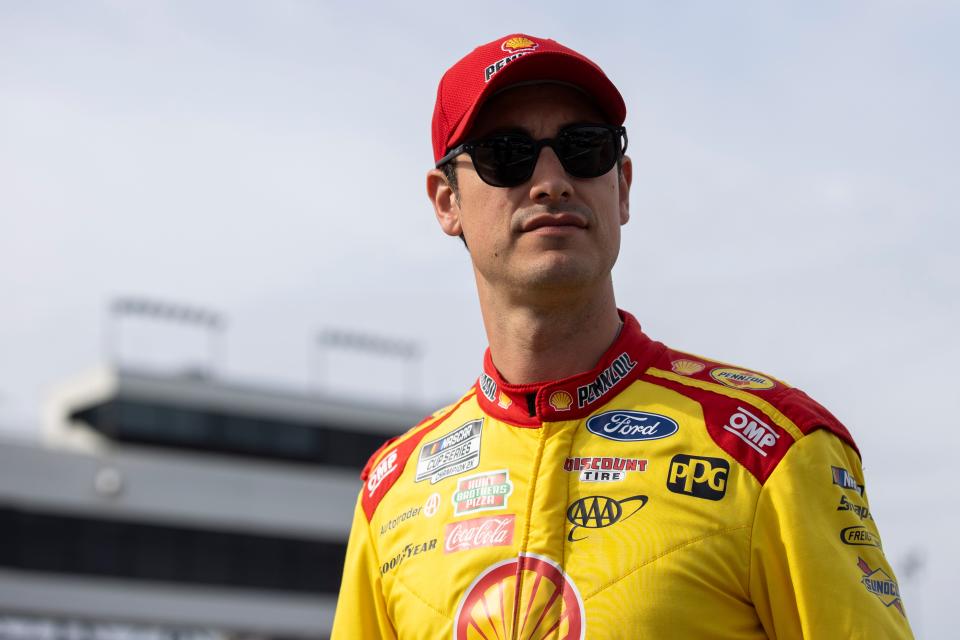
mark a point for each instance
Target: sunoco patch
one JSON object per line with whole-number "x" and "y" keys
{"x": 454, "y": 453}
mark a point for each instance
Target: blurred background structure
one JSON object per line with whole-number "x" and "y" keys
{"x": 171, "y": 505}
{"x": 794, "y": 210}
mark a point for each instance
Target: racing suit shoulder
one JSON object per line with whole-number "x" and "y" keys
{"x": 387, "y": 463}
{"x": 752, "y": 416}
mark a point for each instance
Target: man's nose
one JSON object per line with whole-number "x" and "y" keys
{"x": 550, "y": 181}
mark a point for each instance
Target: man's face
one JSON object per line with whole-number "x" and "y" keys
{"x": 553, "y": 232}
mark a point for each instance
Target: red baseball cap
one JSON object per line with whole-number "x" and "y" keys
{"x": 509, "y": 60}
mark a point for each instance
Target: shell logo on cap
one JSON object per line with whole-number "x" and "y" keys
{"x": 518, "y": 43}
{"x": 560, "y": 400}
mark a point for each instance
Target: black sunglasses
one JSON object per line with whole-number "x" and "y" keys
{"x": 508, "y": 159}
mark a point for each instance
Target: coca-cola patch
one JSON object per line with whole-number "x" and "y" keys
{"x": 491, "y": 531}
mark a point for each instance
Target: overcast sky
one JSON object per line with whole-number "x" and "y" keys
{"x": 794, "y": 204}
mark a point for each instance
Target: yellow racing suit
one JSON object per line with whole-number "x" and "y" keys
{"x": 659, "y": 495}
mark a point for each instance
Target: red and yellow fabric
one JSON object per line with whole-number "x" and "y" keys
{"x": 658, "y": 495}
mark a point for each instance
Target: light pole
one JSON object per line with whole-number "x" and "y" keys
{"x": 407, "y": 350}
{"x": 120, "y": 308}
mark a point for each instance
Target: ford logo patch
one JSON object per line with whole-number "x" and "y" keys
{"x": 630, "y": 426}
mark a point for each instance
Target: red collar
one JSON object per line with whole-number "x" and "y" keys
{"x": 569, "y": 398}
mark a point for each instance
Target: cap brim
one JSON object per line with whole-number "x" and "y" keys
{"x": 549, "y": 66}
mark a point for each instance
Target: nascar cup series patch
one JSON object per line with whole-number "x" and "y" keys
{"x": 454, "y": 453}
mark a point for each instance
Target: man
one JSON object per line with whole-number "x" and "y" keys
{"x": 593, "y": 482}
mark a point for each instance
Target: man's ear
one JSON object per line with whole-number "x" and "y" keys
{"x": 626, "y": 178}
{"x": 445, "y": 203}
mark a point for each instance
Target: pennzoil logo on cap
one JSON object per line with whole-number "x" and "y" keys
{"x": 516, "y": 47}
{"x": 518, "y": 43}
{"x": 560, "y": 400}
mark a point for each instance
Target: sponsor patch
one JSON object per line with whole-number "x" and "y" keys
{"x": 490, "y": 531}
{"x": 758, "y": 435}
{"x": 598, "y": 512}
{"x": 553, "y": 609}
{"x": 495, "y": 68}
{"x": 845, "y": 479}
{"x": 386, "y": 468}
{"x": 488, "y": 387}
{"x": 741, "y": 379}
{"x": 603, "y": 468}
{"x": 608, "y": 378}
{"x": 687, "y": 367}
{"x": 631, "y": 426}
{"x": 432, "y": 505}
{"x": 860, "y": 536}
{"x": 514, "y": 47}
{"x": 560, "y": 400}
{"x": 482, "y": 492}
{"x": 408, "y": 551}
{"x": 454, "y": 453}
{"x": 518, "y": 43}
{"x": 698, "y": 477}
{"x": 392, "y": 523}
{"x": 504, "y": 402}
{"x": 859, "y": 509}
{"x": 879, "y": 583}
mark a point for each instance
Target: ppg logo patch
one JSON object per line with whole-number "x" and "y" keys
{"x": 698, "y": 477}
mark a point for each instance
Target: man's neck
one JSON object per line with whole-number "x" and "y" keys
{"x": 539, "y": 342}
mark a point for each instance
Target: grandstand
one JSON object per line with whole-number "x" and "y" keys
{"x": 182, "y": 506}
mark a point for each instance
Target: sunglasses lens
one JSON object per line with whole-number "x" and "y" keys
{"x": 587, "y": 151}
{"x": 505, "y": 160}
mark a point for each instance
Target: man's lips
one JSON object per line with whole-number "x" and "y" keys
{"x": 553, "y": 220}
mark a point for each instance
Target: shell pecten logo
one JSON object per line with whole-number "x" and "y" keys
{"x": 529, "y": 593}
{"x": 560, "y": 400}
{"x": 518, "y": 43}
{"x": 687, "y": 367}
